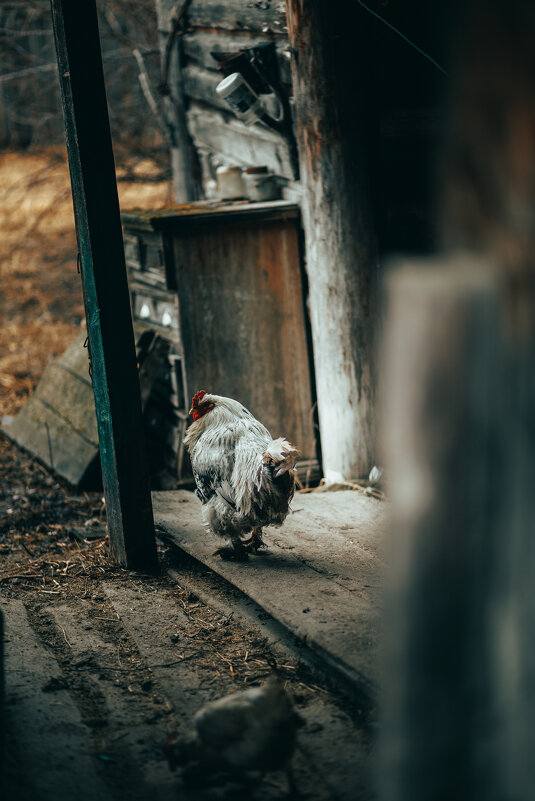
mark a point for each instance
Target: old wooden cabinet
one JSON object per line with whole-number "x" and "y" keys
{"x": 241, "y": 318}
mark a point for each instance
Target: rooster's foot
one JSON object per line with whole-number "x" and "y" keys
{"x": 235, "y": 553}
{"x": 255, "y": 541}
{"x": 254, "y": 546}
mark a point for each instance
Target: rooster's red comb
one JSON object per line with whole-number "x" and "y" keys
{"x": 197, "y": 398}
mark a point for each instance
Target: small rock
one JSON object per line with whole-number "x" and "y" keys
{"x": 174, "y": 637}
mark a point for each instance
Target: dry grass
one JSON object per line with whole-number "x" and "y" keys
{"x": 41, "y": 301}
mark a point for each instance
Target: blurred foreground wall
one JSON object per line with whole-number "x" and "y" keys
{"x": 459, "y": 440}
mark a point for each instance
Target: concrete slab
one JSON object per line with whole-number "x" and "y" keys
{"x": 321, "y": 576}
{"x": 332, "y": 761}
{"x": 140, "y": 738}
{"x": 58, "y": 763}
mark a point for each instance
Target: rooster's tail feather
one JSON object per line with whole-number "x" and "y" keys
{"x": 281, "y": 455}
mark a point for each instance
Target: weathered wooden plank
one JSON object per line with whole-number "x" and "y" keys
{"x": 76, "y": 358}
{"x": 109, "y": 323}
{"x": 53, "y": 439}
{"x": 198, "y": 46}
{"x": 238, "y": 144}
{"x": 45, "y": 733}
{"x": 58, "y": 423}
{"x": 234, "y": 15}
{"x": 341, "y": 248}
{"x": 152, "y": 278}
{"x": 148, "y": 251}
{"x": 144, "y": 251}
{"x": 71, "y": 398}
{"x": 325, "y": 588}
{"x": 181, "y": 218}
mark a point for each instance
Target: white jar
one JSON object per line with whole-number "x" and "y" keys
{"x": 230, "y": 183}
{"x": 240, "y": 97}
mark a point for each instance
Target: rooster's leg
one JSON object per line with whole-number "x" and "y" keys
{"x": 236, "y": 552}
{"x": 255, "y": 541}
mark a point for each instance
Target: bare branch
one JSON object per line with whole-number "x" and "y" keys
{"x": 144, "y": 81}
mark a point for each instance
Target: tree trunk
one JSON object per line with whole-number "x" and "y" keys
{"x": 332, "y": 117}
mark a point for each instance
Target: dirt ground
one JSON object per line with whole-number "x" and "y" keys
{"x": 55, "y": 565}
{"x": 41, "y": 301}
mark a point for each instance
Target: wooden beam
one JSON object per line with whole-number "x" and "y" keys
{"x": 330, "y": 74}
{"x": 230, "y": 138}
{"x": 109, "y": 322}
{"x": 198, "y": 46}
{"x": 234, "y": 15}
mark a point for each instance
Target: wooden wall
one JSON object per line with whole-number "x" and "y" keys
{"x": 364, "y": 106}
{"x": 219, "y": 137}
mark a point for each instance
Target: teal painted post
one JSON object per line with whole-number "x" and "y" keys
{"x": 109, "y": 322}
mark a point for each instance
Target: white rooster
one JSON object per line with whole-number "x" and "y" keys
{"x": 245, "y": 479}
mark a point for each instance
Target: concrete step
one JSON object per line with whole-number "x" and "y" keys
{"x": 321, "y": 576}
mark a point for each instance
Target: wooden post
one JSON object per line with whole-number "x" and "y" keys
{"x": 341, "y": 258}
{"x": 109, "y": 323}
{"x": 459, "y": 429}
